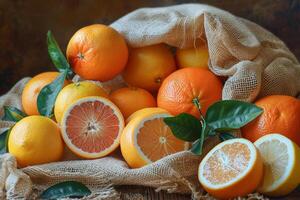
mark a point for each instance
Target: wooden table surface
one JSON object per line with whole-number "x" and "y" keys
{"x": 23, "y": 27}
{"x": 141, "y": 193}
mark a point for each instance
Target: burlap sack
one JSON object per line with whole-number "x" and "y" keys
{"x": 255, "y": 62}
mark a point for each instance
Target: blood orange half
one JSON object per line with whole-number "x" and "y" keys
{"x": 91, "y": 127}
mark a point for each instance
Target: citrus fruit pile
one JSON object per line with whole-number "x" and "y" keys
{"x": 179, "y": 86}
{"x": 93, "y": 123}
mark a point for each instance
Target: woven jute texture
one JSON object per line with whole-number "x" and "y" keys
{"x": 254, "y": 61}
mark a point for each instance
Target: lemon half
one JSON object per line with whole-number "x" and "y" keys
{"x": 281, "y": 159}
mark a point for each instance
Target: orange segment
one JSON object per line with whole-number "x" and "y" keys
{"x": 91, "y": 127}
{"x": 231, "y": 169}
{"x": 146, "y": 139}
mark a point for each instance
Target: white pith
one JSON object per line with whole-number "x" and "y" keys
{"x": 162, "y": 140}
{"x": 79, "y": 151}
{"x": 253, "y": 157}
{"x": 140, "y": 125}
{"x": 290, "y": 154}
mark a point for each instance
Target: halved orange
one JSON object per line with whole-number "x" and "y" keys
{"x": 91, "y": 127}
{"x": 231, "y": 169}
{"x": 146, "y": 138}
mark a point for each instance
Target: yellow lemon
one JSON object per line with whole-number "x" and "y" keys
{"x": 281, "y": 159}
{"x": 35, "y": 140}
{"x": 73, "y": 92}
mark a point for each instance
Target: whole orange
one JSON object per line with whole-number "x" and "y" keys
{"x": 192, "y": 57}
{"x": 131, "y": 99}
{"x": 97, "y": 52}
{"x": 179, "y": 91}
{"x": 32, "y": 89}
{"x": 148, "y": 66}
{"x": 281, "y": 115}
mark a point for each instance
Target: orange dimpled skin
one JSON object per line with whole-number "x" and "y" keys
{"x": 181, "y": 88}
{"x": 130, "y": 99}
{"x": 32, "y": 89}
{"x": 97, "y": 52}
{"x": 281, "y": 115}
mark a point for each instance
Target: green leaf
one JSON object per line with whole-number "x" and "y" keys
{"x": 198, "y": 145}
{"x": 47, "y": 96}
{"x": 66, "y": 189}
{"x": 231, "y": 114}
{"x": 210, "y": 131}
{"x": 56, "y": 55}
{"x": 12, "y": 114}
{"x": 226, "y": 136}
{"x": 4, "y": 141}
{"x": 184, "y": 126}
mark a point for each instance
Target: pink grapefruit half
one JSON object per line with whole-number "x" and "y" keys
{"x": 91, "y": 127}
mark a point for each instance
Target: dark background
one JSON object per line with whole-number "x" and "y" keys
{"x": 24, "y": 24}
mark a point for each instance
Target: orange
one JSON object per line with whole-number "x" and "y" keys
{"x": 97, "y": 52}
{"x": 91, "y": 127}
{"x": 32, "y": 89}
{"x": 182, "y": 88}
{"x": 73, "y": 92}
{"x": 148, "y": 66}
{"x": 231, "y": 169}
{"x": 146, "y": 139}
{"x": 131, "y": 99}
{"x": 281, "y": 115}
{"x": 35, "y": 140}
{"x": 192, "y": 57}
{"x": 144, "y": 110}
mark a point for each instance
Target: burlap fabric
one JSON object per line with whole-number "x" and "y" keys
{"x": 254, "y": 61}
